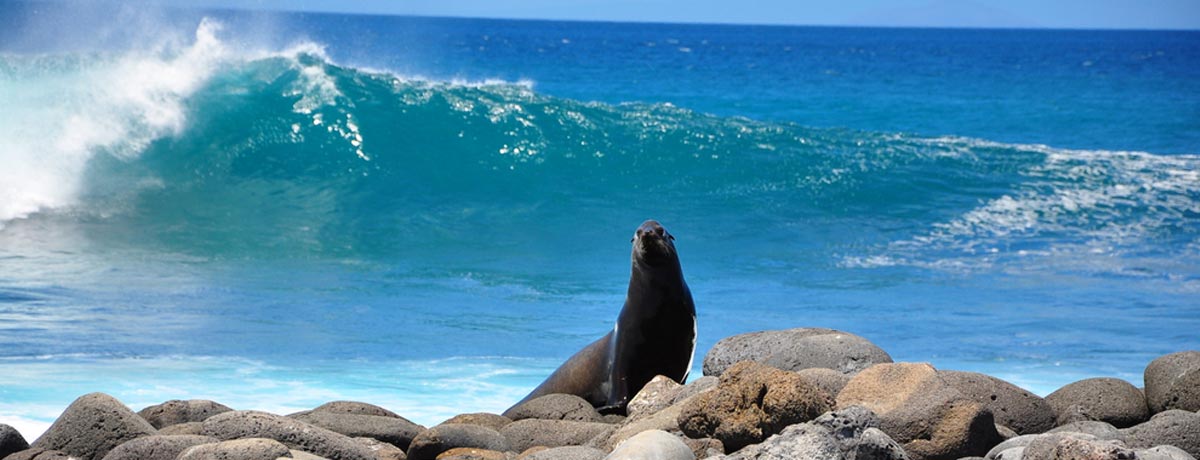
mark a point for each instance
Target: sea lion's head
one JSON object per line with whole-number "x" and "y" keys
{"x": 653, "y": 245}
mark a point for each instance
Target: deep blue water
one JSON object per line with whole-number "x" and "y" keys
{"x": 276, "y": 210}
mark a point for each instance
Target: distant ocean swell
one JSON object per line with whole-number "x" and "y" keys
{"x": 337, "y": 160}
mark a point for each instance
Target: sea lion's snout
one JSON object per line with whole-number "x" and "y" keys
{"x": 652, "y": 243}
{"x": 651, "y": 229}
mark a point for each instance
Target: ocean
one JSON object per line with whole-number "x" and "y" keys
{"x": 275, "y": 210}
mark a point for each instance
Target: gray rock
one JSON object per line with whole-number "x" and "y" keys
{"x": 1164, "y": 453}
{"x": 302, "y": 455}
{"x": 493, "y": 421}
{"x": 93, "y": 425}
{"x": 1171, "y": 428}
{"x": 848, "y": 434}
{"x": 1011, "y": 406}
{"x": 434, "y": 441}
{"x": 397, "y": 431}
{"x": 1173, "y": 382}
{"x": 796, "y": 349}
{"x": 355, "y": 408}
{"x": 826, "y": 379}
{"x": 183, "y": 428}
{"x": 179, "y": 411}
{"x": 1014, "y": 443}
{"x": 666, "y": 420}
{"x": 292, "y": 433}
{"x": 555, "y": 407}
{"x": 1015, "y": 453}
{"x": 1104, "y": 399}
{"x": 238, "y": 449}
{"x": 1101, "y": 430}
{"x": 567, "y": 453}
{"x": 652, "y": 445}
{"x": 1067, "y": 446}
{"x": 35, "y": 453}
{"x": 523, "y": 434}
{"x": 156, "y": 447}
{"x": 656, "y": 395}
{"x": 696, "y": 387}
{"x": 11, "y": 441}
{"x": 382, "y": 450}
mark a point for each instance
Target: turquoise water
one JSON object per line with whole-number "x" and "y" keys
{"x": 277, "y": 210}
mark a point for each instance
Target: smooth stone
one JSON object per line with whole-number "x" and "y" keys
{"x": 471, "y": 453}
{"x": 656, "y": 395}
{"x": 652, "y": 445}
{"x": 1011, "y": 406}
{"x": 523, "y": 434}
{"x": 826, "y": 379}
{"x": 239, "y": 449}
{"x": 1164, "y": 453}
{"x": 382, "y": 450}
{"x": 493, "y": 421}
{"x": 302, "y": 455}
{"x": 1101, "y": 430}
{"x": 93, "y": 425}
{"x": 1013, "y": 443}
{"x": 11, "y": 441}
{"x": 1103, "y": 399}
{"x": 293, "y": 433}
{"x": 157, "y": 447}
{"x": 796, "y": 349}
{"x": 752, "y": 402}
{"x": 434, "y": 441}
{"x": 178, "y": 411}
{"x": 566, "y": 453}
{"x": 1173, "y": 427}
{"x": 1173, "y": 382}
{"x": 930, "y": 418}
{"x": 555, "y": 407}
{"x": 355, "y": 408}
{"x": 397, "y": 431}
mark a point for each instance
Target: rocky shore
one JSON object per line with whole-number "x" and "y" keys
{"x": 789, "y": 394}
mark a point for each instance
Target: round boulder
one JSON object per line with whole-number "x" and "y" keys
{"x": 434, "y": 441}
{"x": 93, "y": 425}
{"x": 1101, "y": 430}
{"x": 566, "y": 453}
{"x": 397, "y": 431}
{"x": 35, "y": 453}
{"x": 1172, "y": 428}
{"x": 157, "y": 447}
{"x": 11, "y": 441}
{"x": 1011, "y": 406}
{"x": 292, "y": 433}
{"x": 1104, "y": 399}
{"x": 654, "y": 396}
{"x": 652, "y": 445}
{"x": 1173, "y": 382}
{"x": 826, "y": 379}
{"x": 493, "y": 421}
{"x": 751, "y": 402}
{"x": 555, "y": 407}
{"x": 178, "y": 411}
{"x": 796, "y": 349}
{"x": 355, "y": 408}
{"x": 523, "y": 434}
{"x": 241, "y": 449}
{"x": 1069, "y": 447}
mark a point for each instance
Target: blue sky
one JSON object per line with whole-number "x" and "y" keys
{"x": 1103, "y": 14}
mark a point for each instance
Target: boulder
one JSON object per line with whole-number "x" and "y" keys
{"x": 397, "y": 431}
{"x": 566, "y": 453}
{"x": 11, "y": 441}
{"x": 918, "y": 409}
{"x": 656, "y": 395}
{"x": 302, "y": 455}
{"x": 183, "y": 428}
{"x": 1011, "y": 406}
{"x": 523, "y": 434}
{"x": 93, "y": 425}
{"x": 555, "y": 407}
{"x": 666, "y": 419}
{"x": 157, "y": 447}
{"x": 826, "y": 379}
{"x": 1173, "y": 382}
{"x": 847, "y": 434}
{"x": 652, "y": 445}
{"x": 36, "y": 453}
{"x": 493, "y": 421}
{"x": 471, "y": 453}
{"x": 751, "y": 402}
{"x": 292, "y": 433}
{"x": 1101, "y": 430}
{"x": 1172, "y": 428}
{"x": 382, "y": 450}
{"x": 796, "y": 349}
{"x": 434, "y": 441}
{"x": 239, "y": 449}
{"x": 1164, "y": 453}
{"x": 178, "y": 411}
{"x": 1067, "y": 446}
{"x": 355, "y": 408}
{"x": 1104, "y": 399}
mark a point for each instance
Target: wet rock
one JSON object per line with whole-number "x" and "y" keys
{"x": 656, "y": 395}
{"x": 918, "y": 409}
{"x": 796, "y": 349}
{"x": 652, "y": 445}
{"x": 1172, "y": 428}
{"x": 493, "y": 421}
{"x": 555, "y": 407}
{"x": 292, "y": 433}
{"x": 1108, "y": 400}
{"x": 826, "y": 379}
{"x": 523, "y": 434}
{"x": 355, "y": 408}
{"x": 397, "y": 431}
{"x": 434, "y": 441}
{"x": 158, "y": 447}
{"x": 93, "y": 425}
{"x": 751, "y": 402}
{"x": 239, "y": 449}
{"x": 178, "y": 411}
{"x": 1173, "y": 382}
{"x": 382, "y": 450}
{"x": 566, "y": 453}
{"x": 1011, "y": 406}
{"x": 11, "y": 441}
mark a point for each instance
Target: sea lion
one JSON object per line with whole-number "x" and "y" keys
{"x": 655, "y": 333}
